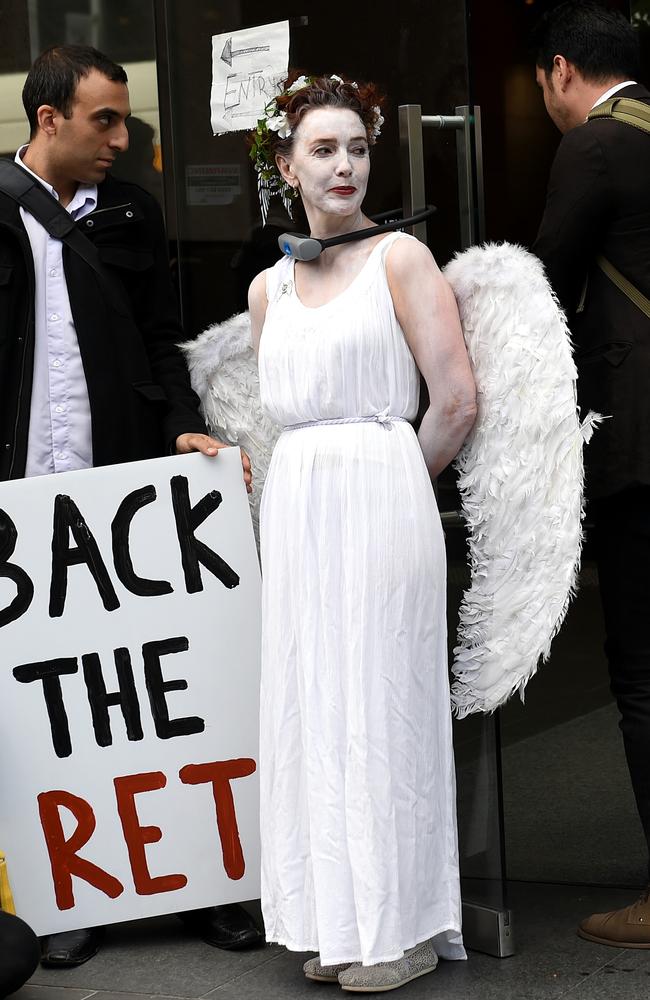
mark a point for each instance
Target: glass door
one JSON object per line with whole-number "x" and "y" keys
{"x": 486, "y": 918}
{"x": 418, "y": 54}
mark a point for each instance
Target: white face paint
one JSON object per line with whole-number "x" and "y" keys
{"x": 329, "y": 161}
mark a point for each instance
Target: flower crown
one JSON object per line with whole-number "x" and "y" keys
{"x": 273, "y": 119}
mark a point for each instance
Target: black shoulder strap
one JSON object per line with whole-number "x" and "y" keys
{"x": 32, "y": 196}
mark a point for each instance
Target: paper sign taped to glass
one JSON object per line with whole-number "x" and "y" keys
{"x": 130, "y": 630}
{"x": 248, "y": 69}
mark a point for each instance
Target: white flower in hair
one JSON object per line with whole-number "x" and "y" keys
{"x": 350, "y": 83}
{"x": 378, "y": 122}
{"x": 279, "y": 123}
{"x": 298, "y": 84}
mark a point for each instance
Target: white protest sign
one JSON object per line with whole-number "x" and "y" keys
{"x": 248, "y": 69}
{"x": 130, "y": 637}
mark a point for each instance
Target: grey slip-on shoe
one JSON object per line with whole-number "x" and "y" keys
{"x": 324, "y": 973}
{"x": 390, "y": 975}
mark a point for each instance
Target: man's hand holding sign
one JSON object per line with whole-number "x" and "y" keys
{"x": 207, "y": 445}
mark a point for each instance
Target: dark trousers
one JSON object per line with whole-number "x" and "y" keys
{"x": 622, "y": 541}
{"x": 19, "y": 953}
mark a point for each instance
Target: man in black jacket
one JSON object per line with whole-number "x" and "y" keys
{"x": 90, "y": 373}
{"x": 598, "y": 205}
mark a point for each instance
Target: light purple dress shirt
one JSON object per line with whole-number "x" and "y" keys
{"x": 60, "y": 431}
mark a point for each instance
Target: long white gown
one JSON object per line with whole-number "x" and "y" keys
{"x": 358, "y": 824}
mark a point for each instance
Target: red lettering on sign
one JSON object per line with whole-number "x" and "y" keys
{"x": 136, "y": 836}
{"x": 64, "y": 860}
{"x": 220, "y": 773}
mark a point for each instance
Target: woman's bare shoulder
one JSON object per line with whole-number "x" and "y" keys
{"x": 257, "y": 299}
{"x": 408, "y": 258}
{"x": 411, "y": 268}
{"x": 257, "y": 303}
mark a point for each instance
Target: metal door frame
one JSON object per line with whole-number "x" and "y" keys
{"x": 466, "y": 122}
{"x": 485, "y": 928}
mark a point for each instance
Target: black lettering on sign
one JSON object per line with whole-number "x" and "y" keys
{"x": 121, "y": 555}
{"x": 194, "y": 552}
{"x": 100, "y": 700}
{"x": 49, "y": 672}
{"x": 157, "y": 687}
{"x": 24, "y": 585}
{"x": 68, "y": 518}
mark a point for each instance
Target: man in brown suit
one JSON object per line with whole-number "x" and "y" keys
{"x": 598, "y": 204}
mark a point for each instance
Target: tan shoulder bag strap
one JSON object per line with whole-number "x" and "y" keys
{"x": 640, "y": 300}
{"x": 623, "y": 109}
{"x": 637, "y": 114}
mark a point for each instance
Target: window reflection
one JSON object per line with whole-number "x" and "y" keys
{"x": 124, "y": 29}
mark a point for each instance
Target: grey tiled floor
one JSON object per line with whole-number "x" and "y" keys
{"x": 555, "y": 783}
{"x": 156, "y": 959}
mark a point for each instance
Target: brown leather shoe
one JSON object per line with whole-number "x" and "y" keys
{"x": 626, "y": 928}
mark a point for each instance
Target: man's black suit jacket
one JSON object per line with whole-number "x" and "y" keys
{"x": 138, "y": 384}
{"x": 599, "y": 203}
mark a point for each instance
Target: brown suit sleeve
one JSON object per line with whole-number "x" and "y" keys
{"x": 577, "y": 213}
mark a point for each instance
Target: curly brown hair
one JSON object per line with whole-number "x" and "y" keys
{"x": 285, "y": 112}
{"x": 326, "y": 92}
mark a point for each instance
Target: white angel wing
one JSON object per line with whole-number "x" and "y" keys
{"x": 520, "y": 474}
{"x": 223, "y": 370}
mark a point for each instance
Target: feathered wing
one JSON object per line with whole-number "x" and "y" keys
{"x": 520, "y": 474}
{"x": 224, "y": 375}
{"x": 520, "y": 470}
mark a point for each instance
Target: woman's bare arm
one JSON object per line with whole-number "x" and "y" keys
{"x": 257, "y": 304}
{"x": 426, "y": 310}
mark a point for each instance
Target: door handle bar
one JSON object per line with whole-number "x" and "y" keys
{"x": 466, "y": 123}
{"x": 451, "y": 519}
{"x": 443, "y": 121}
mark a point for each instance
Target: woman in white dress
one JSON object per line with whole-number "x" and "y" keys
{"x": 359, "y": 843}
